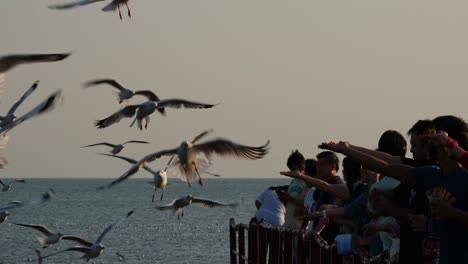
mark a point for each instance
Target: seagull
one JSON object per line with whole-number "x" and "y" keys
{"x": 10, "y": 116}
{"x": 112, "y": 6}
{"x": 51, "y": 238}
{"x": 177, "y": 205}
{"x": 147, "y": 108}
{"x": 124, "y": 93}
{"x": 10, "y": 61}
{"x": 7, "y": 187}
{"x": 91, "y": 250}
{"x": 45, "y": 106}
{"x": 116, "y": 148}
{"x": 4, "y": 209}
{"x": 193, "y": 157}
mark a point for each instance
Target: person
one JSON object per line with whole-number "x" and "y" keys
{"x": 447, "y": 182}
{"x": 296, "y": 191}
{"x": 270, "y": 208}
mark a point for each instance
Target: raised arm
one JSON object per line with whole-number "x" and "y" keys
{"x": 337, "y": 190}
{"x": 378, "y": 154}
{"x": 400, "y": 172}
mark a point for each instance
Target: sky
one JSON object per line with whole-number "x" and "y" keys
{"x": 296, "y": 73}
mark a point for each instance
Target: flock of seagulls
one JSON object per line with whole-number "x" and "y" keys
{"x": 188, "y": 160}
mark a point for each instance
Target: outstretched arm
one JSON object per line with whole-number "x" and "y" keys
{"x": 337, "y": 190}
{"x": 400, "y": 172}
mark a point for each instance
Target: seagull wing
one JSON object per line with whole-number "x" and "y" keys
{"x": 75, "y": 248}
{"x": 78, "y": 240}
{"x": 11, "y": 205}
{"x": 10, "y": 61}
{"x": 136, "y": 141}
{"x": 178, "y": 103}
{"x": 21, "y": 100}
{"x": 129, "y": 160}
{"x": 126, "y": 112}
{"x": 39, "y": 228}
{"x": 112, "y": 225}
{"x": 110, "y": 82}
{"x": 102, "y": 143}
{"x": 2, "y": 183}
{"x": 209, "y": 203}
{"x": 167, "y": 207}
{"x": 201, "y": 135}
{"x": 47, "y": 105}
{"x": 73, "y": 4}
{"x": 148, "y": 94}
{"x": 224, "y": 147}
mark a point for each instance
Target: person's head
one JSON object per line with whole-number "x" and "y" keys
{"x": 419, "y": 147}
{"x": 455, "y": 127}
{"x": 392, "y": 143}
{"x": 327, "y": 165}
{"x": 296, "y": 161}
{"x": 351, "y": 170}
{"x": 310, "y": 167}
{"x": 369, "y": 177}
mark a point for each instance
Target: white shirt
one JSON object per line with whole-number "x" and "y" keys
{"x": 272, "y": 209}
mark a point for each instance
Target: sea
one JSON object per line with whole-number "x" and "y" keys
{"x": 147, "y": 236}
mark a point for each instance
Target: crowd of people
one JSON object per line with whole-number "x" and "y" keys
{"x": 406, "y": 210}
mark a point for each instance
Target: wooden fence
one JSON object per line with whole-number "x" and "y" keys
{"x": 278, "y": 246}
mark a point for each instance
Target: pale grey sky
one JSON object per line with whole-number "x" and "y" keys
{"x": 295, "y": 72}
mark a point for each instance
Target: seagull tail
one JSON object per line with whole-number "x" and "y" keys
{"x": 42, "y": 241}
{"x": 110, "y": 7}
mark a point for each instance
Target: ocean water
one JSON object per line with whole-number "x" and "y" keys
{"x": 148, "y": 236}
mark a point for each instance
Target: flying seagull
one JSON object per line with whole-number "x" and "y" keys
{"x": 112, "y": 6}
{"x": 10, "y": 61}
{"x": 45, "y": 106}
{"x": 177, "y": 205}
{"x": 116, "y": 148}
{"x": 10, "y": 116}
{"x": 91, "y": 250}
{"x": 123, "y": 93}
{"x": 145, "y": 109}
{"x": 6, "y": 208}
{"x": 159, "y": 176}
{"x": 51, "y": 237}
{"x": 7, "y": 187}
{"x": 193, "y": 157}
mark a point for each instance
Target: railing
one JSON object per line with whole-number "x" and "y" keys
{"x": 278, "y": 246}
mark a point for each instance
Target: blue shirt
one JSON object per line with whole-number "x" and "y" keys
{"x": 454, "y": 189}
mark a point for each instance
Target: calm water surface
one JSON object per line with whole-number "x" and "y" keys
{"x": 149, "y": 235}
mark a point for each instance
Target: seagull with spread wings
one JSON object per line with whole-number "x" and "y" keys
{"x": 51, "y": 237}
{"x": 6, "y": 208}
{"x": 123, "y": 93}
{"x": 91, "y": 250}
{"x": 116, "y": 148}
{"x": 45, "y": 106}
{"x": 10, "y": 116}
{"x": 10, "y": 61}
{"x": 191, "y": 158}
{"x": 159, "y": 176}
{"x": 177, "y": 205}
{"x": 145, "y": 109}
{"x": 7, "y": 187}
{"x": 112, "y": 6}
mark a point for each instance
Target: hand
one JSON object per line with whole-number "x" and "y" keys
{"x": 370, "y": 228}
{"x": 441, "y": 208}
{"x": 293, "y": 174}
{"x": 418, "y": 222}
{"x": 440, "y": 137}
{"x": 336, "y": 147}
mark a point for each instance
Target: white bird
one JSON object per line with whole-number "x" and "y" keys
{"x": 147, "y": 108}
{"x": 91, "y": 250}
{"x": 7, "y": 187}
{"x": 193, "y": 157}
{"x": 124, "y": 93}
{"x": 10, "y": 116}
{"x": 159, "y": 176}
{"x": 10, "y": 61}
{"x": 45, "y": 106}
{"x": 116, "y": 148}
{"x": 51, "y": 237}
{"x": 177, "y": 205}
{"x": 6, "y": 208}
{"x": 112, "y": 6}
